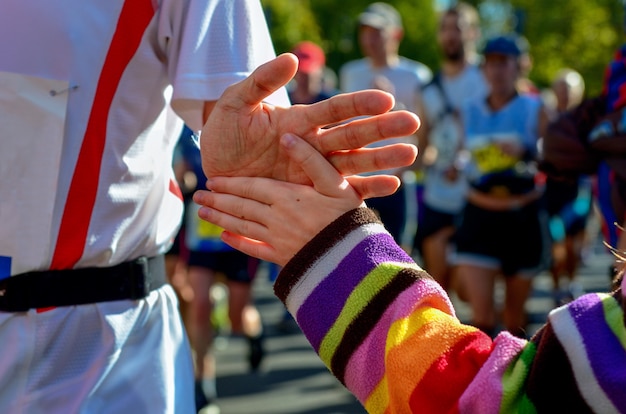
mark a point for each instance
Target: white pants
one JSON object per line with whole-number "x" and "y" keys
{"x": 114, "y": 357}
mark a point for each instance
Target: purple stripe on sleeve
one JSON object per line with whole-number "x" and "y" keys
{"x": 319, "y": 246}
{"x": 342, "y": 281}
{"x": 605, "y": 353}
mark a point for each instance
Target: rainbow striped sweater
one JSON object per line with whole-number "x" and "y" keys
{"x": 389, "y": 333}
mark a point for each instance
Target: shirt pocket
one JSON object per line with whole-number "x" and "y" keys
{"x": 32, "y": 121}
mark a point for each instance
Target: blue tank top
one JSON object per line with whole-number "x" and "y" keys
{"x": 491, "y": 170}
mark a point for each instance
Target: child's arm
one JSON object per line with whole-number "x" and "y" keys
{"x": 388, "y": 332}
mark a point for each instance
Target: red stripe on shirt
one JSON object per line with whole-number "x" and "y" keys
{"x": 175, "y": 189}
{"x": 133, "y": 21}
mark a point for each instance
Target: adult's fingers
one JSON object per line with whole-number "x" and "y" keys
{"x": 264, "y": 81}
{"x": 327, "y": 180}
{"x": 373, "y": 159}
{"x": 361, "y": 132}
{"x": 342, "y": 107}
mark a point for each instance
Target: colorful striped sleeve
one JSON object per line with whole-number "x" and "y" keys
{"x": 388, "y": 331}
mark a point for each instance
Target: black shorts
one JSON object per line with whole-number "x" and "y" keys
{"x": 561, "y": 200}
{"x": 236, "y": 266}
{"x": 576, "y": 226}
{"x": 430, "y": 222}
{"x": 511, "y": 241}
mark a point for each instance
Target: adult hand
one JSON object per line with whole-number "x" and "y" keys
{"x": 241, "y": 135}
{"x": 272, "y": 219}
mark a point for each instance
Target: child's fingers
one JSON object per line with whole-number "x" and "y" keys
{"x": 261, "y": 190}
{"x": 243, "y": 221}
{"x": 233, "y": 205}
{"x": 326, "y": 179}
{"x": 374, "y": 185}
{"x": 251, "y": 247}
{"x": 241, "y": 225}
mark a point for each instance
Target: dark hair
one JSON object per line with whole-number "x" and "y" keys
{"x": 464, "y": 11}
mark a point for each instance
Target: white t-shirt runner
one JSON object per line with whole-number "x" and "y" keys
{"x": 86, "y": 144}
{"x": 406, "y": 76}
{"x": 446, "y": 135}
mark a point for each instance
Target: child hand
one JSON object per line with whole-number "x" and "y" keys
{"x": 272, "y": 219}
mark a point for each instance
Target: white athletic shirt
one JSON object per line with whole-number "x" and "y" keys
{"x": 86, "y": 135}
{"x": 439, "y": 192}
{"x": 517, "y": 122}
{"x": 469, "y": 84}
{"x": 407, "y": 77}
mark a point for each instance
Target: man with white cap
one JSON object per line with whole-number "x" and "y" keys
{"x": 380, "y": 32}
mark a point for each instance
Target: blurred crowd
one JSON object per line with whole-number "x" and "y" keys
{"x": 492, "y": 197}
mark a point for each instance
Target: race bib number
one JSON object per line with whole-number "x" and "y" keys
{"x": 490, "y": 159}
{"x": 32, "y": 127}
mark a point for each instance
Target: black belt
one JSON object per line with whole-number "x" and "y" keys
{"x": 52, "y": 288}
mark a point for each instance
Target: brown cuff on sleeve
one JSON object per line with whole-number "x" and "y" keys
{"x": 319, "y": 246}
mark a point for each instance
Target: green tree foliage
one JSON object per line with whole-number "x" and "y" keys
{"x": 420, "y": 31}
{"x": 333, "y": 25}
{"x": 581, "y": 34}
{"x": 291, "y": 21}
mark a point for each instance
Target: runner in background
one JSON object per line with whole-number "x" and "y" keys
{"x": 380, "y": 32}
{"x": 209, "y": 261}
{"x": 441, "y": 139}
{"x": 503, "y": 216}
{"x": 568, "y": 201}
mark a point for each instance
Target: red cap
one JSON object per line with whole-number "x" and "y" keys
{"x": 310, "y": 55}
